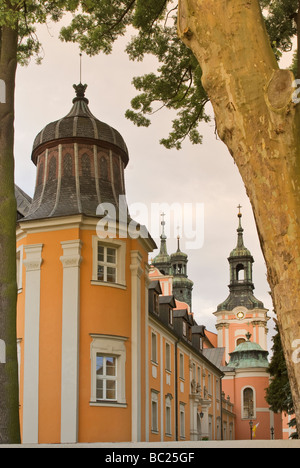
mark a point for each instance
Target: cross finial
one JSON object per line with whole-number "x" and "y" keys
{"x": 239, "y": 208}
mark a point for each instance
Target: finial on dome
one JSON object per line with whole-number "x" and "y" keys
{"x": 248, "y": 336}
{"x": 80, "y": 92}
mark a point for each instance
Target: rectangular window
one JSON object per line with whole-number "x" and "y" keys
{"x": 168, "y": 416}
{"x": 156, "y": 303}
{"x": 181, "y": 366}
{"x": 182, "y": 421}
{"x": 168, "y": 357}
{"x": 184, "y": 328}
{"x": 106, "y": 371}
{"x": 154, "y": 412}
{"x": 154, "y": 347}
{"x": 170, "y": 316}
{"x": 107, "y": 264}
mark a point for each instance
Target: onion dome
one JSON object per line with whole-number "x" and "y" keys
{"x": 247, "y": 355}
{"x": 80, "y": 165}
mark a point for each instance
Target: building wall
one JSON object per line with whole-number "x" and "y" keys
{"x": 70, "y": 312}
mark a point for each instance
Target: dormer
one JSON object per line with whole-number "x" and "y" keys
{"x": 154, "y": 294}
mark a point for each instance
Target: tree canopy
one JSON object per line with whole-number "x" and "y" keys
{"x": 176, "y": 84}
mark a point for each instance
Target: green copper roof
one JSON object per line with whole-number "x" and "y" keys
{"x": 247, "y": 355}
{"x": 240, "y": 250}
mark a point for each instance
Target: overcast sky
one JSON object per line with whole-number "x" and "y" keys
{"x": 203, "y": 175}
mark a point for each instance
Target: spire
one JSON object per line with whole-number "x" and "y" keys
{"x": 240, "y": 230}
{"x": 162, "y": 260}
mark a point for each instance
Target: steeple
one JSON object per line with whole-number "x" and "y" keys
{"x": 241, "y": 285}
{"x": 162, "y": 260}
{"x": 182, "y": 285}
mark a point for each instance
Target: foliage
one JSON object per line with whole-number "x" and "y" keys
{"x": 176, "y": 84}
{"x": 278, "y": 394}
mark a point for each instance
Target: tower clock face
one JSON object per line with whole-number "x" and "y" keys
{"x": 240, "y": 315}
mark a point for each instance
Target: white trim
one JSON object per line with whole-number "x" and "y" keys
{"x": 136, "y": 273}
{"x": 33, "y": 264}
{"x": 120, "y": 246}
{"x": 115, "y": 346}
{"x": 71, "y": 261}
{"x": 20, "y": 255}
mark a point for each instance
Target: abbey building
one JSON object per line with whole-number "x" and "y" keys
{"x": 109, "y": 348}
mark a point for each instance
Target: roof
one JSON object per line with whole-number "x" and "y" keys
{"x": 167, "y": 300}
{"x": 79, "y": 123}
{"x": 155, "y": 286}
{"x": 23, "y": 202}
{"x": 214, "y": 355}
{"x": 248, "y": 355}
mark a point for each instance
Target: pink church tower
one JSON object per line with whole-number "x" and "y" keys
{"x": 242, "y": 331}
{"x": 241, "y": 312}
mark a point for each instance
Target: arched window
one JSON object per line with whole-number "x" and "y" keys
{"x": 85, "y": 165}
{"x": 240, "y": 272}
{"x": 248, "y": 403}
{"x": 67, "y": 165}
{"x": 240, "y": 341}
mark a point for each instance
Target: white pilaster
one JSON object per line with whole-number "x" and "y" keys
{"x": 33, "y": 264}
{"x": 147, "y": 282}
{"x": 71, "y": 261}
{"x": 136, "y": 273}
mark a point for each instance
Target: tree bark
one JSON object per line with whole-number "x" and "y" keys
{"x": 259, "y": 122}
{"x": 9, "y": 392}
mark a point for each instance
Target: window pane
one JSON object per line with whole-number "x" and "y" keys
{"x": 111, "y": 366}
{"x": 111, "y": 275}
{"x": 111, "y": 256}
{"x": 99, "y": 365}
{"x": 100, "y": 273}
{"x": 111, "y": 390}
{"x": 100, "y": 253}
{"x": 99, "y": 389}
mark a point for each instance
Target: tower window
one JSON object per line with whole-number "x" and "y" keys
{"x": 107, "y": 264}
{"x": 106, "y": 378}
{"x": 240, "y": 272}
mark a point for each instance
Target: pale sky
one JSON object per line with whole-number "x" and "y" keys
{"x": 203, "y": 174}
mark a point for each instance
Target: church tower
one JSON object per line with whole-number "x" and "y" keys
{"x": 182, "y": 285}
{"x": 241, "y": 312}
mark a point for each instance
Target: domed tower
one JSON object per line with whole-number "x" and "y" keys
{"x": 82, "y": 290}
{"x": 80, "y": 164}
{"x": 241, "y": 312}
{"x": 182, "y": 285}
{"x": 246, "y": 379}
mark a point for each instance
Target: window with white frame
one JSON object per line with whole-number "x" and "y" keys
{"x": 168, "y": 415}
{"x": 153, "y": 347}
{"x": 168, "y": 356}
{"x": 106, "y": 388}
{"x": 109, "y": 259}
{"x": 181, "y": 366}
{"x": 248, "y": 403}
{"x": 107, "y": 264}
{"x": 154, "y": 411}
{"x": 182, "y": 420}
{"x": 108, "y": 358}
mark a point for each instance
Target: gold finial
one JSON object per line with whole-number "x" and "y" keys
{"x": 239, "y": 208}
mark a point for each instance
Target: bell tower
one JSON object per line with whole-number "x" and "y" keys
{"x": 241, "y": 312}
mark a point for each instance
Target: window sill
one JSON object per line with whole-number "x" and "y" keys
{"x": 111, "y": 404}
{"x": 109, "y": 285}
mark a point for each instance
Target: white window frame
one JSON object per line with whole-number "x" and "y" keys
{"x": 19, "y": 266}
{"x": 154, "y": 412}
{"x": 105, "y": 377}
{"x": 168, "y": 411}
{"x": 154, "y": 352}
{"x": 120, "y": 264}
{"x": 181, "y": 366}
{"x": 182, "y": 420}
{"x": 110, "y": 346}
{"x": 168, "y": 357}
{"x": 253, "y": 416}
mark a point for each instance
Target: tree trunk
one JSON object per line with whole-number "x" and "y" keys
{"x": 9, "y": 392}
{"x": 259, "y": 122}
